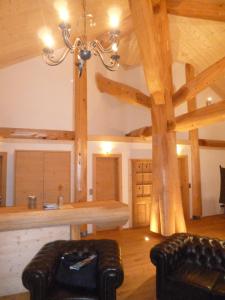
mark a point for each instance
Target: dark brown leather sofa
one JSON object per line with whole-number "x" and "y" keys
{"x": 39, "y": 275}
{"x": 189, "y": 267}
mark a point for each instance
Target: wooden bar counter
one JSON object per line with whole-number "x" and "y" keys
{"x": 95, "y": 212}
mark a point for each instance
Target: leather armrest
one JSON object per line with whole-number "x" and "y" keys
{"x": 110, "y": 270}
{"x": 39, "y": 273}
{"x": 166, "y": 254}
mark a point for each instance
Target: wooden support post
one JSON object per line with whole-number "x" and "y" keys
{"x": 166, "y": 210}
{"x": 74, "y": 232}
{"x": 142, "y": 14}
{"x": 195, "y": 155}
{"x": 80, "y": 191}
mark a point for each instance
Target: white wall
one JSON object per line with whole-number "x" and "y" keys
{"x": 34, "y": 95}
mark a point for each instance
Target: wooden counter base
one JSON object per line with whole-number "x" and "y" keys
{"x": 95, "y": 212}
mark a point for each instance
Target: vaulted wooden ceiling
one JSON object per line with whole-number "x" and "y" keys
{"x": 196, "y": 41}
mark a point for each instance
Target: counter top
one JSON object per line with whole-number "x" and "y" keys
{"x": 94, "y": 212}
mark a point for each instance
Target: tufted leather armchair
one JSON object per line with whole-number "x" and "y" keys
{"x": 39, "y": 275}
{"x": 189, "y": 267}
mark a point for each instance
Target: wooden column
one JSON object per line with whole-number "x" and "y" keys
{"x": 153, "y": 38}
{"x": 80, "y": 191}
{"x": 195, "y": 154}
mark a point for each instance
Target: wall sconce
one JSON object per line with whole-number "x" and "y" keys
{"x": 106, "y": 147}
{"x": 209, "y": 101}
{"x": 179, "y": 149}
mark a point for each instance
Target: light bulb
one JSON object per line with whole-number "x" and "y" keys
{"x": 46, "y": 36}
{"x": 106, "y": 147}
{"x": 209, "y": 101}
{"x": 61, "y": 7}
{"x": 64, "y": 15}
{"x": 179, "y": 149}
{"x": 115, "y": 47}
{"x": 114, "y": 14}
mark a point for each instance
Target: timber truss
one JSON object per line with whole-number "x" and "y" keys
{"x": 154, "y": 45}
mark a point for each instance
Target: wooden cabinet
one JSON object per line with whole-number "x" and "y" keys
{"x": 43, "y": 174}
{"x": 141, "y": 191}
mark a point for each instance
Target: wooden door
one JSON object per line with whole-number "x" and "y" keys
{"x": 29, "y": 180}
{"x": 107, "y": 181}
{"x": 56, "y": 176}
{"x": 141, "y": 192}
{"x": 184, "y": 184}
{"x": 107, "y": 177}
{"x": 3, "y": 174}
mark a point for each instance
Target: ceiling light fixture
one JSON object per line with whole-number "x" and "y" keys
{"x": 85, "y": 49}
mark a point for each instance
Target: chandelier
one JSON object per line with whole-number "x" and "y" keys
{"x": 85, "y": 49}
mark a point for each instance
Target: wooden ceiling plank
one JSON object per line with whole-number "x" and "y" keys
{"x": 201, "y": 117}
{"x": 204, "y": 79}
{"x": 122, "y": 91}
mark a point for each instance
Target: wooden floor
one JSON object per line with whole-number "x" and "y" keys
{"x": 139, "y": 283}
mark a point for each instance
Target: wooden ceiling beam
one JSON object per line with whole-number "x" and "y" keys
{"x": 201, "y": 117}
{"x": 207, "y": 9}
{"x": 141, "y": 132}
{"x": 37, "y": 134}
{"x": 122, "y": 91}
{"x": 204, "y": 79}
{"x": 218, "y": 144}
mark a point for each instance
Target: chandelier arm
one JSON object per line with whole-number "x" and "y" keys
{"x": 111, "y": 67}
{"x": 51, "y": 61}
{"x": 67, "y": 42}
{"x": 96, "y": 44}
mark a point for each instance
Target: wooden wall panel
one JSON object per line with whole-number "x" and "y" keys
{"x": 40, "y": 173}
{"x": 29, "y": 180}
{"x": 56, "y": 174}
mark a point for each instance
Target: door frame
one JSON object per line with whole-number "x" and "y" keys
{"x": 3, "y": 156}
{"x": 94, "y": 159}
{"x": 187, "y": 205}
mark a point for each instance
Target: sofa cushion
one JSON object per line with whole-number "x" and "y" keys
{"x": 196, "y": 275}
{"x": 218, "y": 291}
{"x": 191, "y": 282}
{"x": 58, "y": 292}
